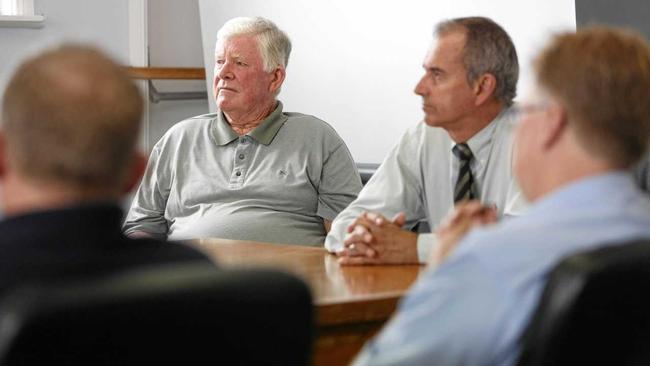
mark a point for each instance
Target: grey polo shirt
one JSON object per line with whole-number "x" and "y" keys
{"x": 275, "y": 184}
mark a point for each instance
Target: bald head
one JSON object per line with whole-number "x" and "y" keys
{"x": 71, "y": 116}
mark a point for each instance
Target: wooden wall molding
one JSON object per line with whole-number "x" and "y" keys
{"x": 166, "y": 73}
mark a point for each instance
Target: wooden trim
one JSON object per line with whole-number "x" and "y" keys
{"x": 166, "y": 73}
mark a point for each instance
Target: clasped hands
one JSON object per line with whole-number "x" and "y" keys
{"x": 373, "y": 239}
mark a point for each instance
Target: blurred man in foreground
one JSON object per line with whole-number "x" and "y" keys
{"x": 70, "y": 121}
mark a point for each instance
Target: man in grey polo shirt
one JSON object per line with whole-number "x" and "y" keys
{"x": 250, "y": 171}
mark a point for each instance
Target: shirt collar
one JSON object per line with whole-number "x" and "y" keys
{"x": 481, "y": 142}
{"x": 222, "y": 132}
{"x": 590, "y": 189}
{"x": 263, "y": 133}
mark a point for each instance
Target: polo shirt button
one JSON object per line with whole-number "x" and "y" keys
{"x": 241, "y": 156}
{"x": 238, "y": 174}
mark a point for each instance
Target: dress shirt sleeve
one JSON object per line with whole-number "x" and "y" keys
{"x": 395, "y": 187}
{"x": 340, "y": 183}
{"x": 147, "y": 212}
{"x": 516, "y": 203}
{"x": 426, "y": 242}
{"x": 450, "y": 317}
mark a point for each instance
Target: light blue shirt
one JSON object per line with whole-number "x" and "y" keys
{"x": 473, "y": 308}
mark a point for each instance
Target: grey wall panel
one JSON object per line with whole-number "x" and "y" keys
{"x": 626, "y": 13}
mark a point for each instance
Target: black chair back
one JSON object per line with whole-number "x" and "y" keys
{"x": 595, "y": 310}
{"x": 366, "y": 170}
{"x": 179, "y": 314}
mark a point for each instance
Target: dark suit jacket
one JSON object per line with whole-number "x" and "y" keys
{"x": 77, "y": 241}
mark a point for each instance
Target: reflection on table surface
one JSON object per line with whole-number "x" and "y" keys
{"x": 331, "y": 283}
{"x": 351, "y": 303}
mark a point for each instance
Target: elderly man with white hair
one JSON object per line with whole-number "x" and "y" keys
{"x": 250, "y": 171}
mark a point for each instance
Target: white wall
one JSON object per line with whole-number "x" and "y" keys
{"x": 174, "y": 41}
{"x": 355, "y": 63}
{"x": 103, "y": 23}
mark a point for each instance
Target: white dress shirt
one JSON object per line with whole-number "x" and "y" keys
{"x": 418, "y": 177}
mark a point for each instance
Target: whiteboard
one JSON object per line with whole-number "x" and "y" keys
{"x": 355, "y": 63}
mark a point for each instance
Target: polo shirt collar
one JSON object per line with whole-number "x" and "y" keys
{"x": 264, "y": 133}
{"x": 223, "y": 133}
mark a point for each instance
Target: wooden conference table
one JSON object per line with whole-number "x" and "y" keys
{"x": 352, "y": 303}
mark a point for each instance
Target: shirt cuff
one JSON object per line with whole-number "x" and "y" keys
{"x": 426, "y": 243}
{"x": 332, "y": 242}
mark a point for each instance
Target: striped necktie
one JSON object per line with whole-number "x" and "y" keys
{"x": 465, "y": 188}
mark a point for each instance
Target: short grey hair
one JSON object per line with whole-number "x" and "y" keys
{"x": 274, "y": 44}
{"x": 488, "y": 50}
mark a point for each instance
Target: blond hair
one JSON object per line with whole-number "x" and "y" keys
{"x": 602, "y": 77}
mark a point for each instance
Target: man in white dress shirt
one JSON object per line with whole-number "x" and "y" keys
{"x": 460, "y": 151}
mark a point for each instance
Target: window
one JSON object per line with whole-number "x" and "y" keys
{"x": 17, "y": 7}
{"x": 19, "y": 13}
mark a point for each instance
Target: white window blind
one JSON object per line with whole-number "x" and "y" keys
{"x": 19, "y": 13}
{"x": 17, "y": 7}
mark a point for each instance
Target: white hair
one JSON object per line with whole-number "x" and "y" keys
{"x": 273, "y": 43}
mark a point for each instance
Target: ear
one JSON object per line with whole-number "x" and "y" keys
{"x": 484, "y": 88}
{"x": 554, "y": 126}
{"x": 135, "y": 173}
{"x": 277, "y": 79}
